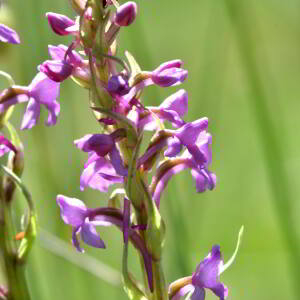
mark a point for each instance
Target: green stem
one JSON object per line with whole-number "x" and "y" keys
{"x": 272, "y": 150}
{"x": 15, "y": 269}
{"x": 160, "y": 289}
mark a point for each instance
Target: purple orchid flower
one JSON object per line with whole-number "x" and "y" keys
{"x": 8, "y": 35}
{"x": 75, "y": 213}
{"x": 99, "y": 172}
{"x": 206, "y": 276}
{"x": 171, "y": 109}
{"x": 65, "y": 62}
{"x": 41, "y": 90}
{"x": 186, "y": 136}
{"x": 84, "y": 221}
{"x": 167, "y": 74}
{"x": 203, "y": 177}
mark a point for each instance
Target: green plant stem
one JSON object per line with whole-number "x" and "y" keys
{"x": 160, "y": 289}
{"x": 272, "y": 150}
{"x": 14, "y": 268}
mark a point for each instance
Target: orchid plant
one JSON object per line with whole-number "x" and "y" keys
{"x": 114, "y": 157}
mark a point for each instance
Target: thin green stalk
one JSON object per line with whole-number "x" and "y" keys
{"x": 272, "y": 150}
{"x": 160, "y": 290}
{"x": 14, "y": 268}
{"x": 14, "y": 254}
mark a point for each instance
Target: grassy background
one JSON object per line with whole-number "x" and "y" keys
{"x": 244, "y": 72}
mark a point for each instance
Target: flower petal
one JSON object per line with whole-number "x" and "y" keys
{"x": 73, "y": 211}
{"x": 57, "y": 52}
{"x": 174, "y": 147}
{"x": 207, "y": 273}
{"x": 198, "y": 294}
{"x": 8, "y": 35}
{"x": 43, "y": 89}
{"x": 118, "y": 84}
{"x": 126, "y": 14}
{"x": 117, "y": 162}
{"x": 183, "y": 291}
{"x": 31, "y": 115}
{"x": 75, "y": 240}
{"x": 175, "y": 63}
{"x": 169, "y": 77}
{"x": 90, "y": 236}
{"x": 6, "y": 145}
{"x": 91, "y": 178}
{"x": 99, "y": 143}
{"x": 53, "y": 112}
{"x": 56, "y": 70}
{"x": 177, "y": 102}
{"x": 59, "y": 23}
{"x": 189, "y": 133}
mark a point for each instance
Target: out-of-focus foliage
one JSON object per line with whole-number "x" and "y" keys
{"x": 240, "y": 55}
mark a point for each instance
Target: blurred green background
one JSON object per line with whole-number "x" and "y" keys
{"x": 243, "y": 58}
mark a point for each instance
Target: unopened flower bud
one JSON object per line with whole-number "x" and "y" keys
{"x": 118, "y": 84}
{"x": 15, "y": 163}
{"x": 126, "y": 14}
{"x": 18, "y": 161}
{"x": 175, "y": 63}
{"x": 169, "y": 77}
{"x": 59, "y": 23}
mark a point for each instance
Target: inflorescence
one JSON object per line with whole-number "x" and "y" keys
{"x": 114, "y": 155}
